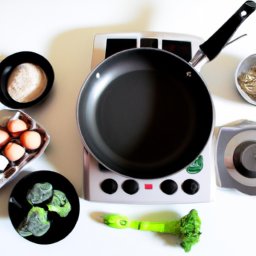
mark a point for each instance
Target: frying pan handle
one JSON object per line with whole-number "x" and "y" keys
{"x": 218, "y": 40}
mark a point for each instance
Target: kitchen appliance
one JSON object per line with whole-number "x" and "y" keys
{"x": 235, "y": 156}
{"x": 146, "y": 113}
{"x": 192, "y": 184}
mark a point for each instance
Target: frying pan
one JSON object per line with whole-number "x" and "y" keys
{"x": 146, "y": 113}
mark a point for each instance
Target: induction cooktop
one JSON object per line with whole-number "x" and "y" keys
{"x": 190, "y": 185}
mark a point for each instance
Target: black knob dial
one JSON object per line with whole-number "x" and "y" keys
{"x": 169, "y": 187}
{"x": 190, "y": 186}
{"x": 109, "y": 186}
{"x": 244, "y": 159}
{"x": 130, "y": 186}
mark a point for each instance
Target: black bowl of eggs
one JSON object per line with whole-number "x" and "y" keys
{"x": 22, "y": 139}
{"x": 26, "y": 78}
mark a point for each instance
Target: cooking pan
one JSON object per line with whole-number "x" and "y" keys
{"x": 147, "y": 113}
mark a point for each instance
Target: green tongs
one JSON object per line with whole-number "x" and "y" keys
{"x": 187, "y": 227}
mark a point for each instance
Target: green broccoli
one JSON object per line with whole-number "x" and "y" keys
{"x": 39, "y": 193}
{"x": 36, "y": 223}
{"x": 186, "y": 228}
{"x": 59, "y": 204}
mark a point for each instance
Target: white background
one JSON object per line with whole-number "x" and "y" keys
{"x": 63, "y": 31}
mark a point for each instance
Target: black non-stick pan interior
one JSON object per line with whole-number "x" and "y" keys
{"x": 145, "y": 113}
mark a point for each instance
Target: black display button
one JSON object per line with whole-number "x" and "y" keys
{"x": 180, "y": 48}
{"x": 117, "y": 45}
{"x": 130, "y": 186}
{"x": 149, "y": 42}
{"x": 169, "y": 187}
{"x": 109, "y": 186}
{"x": 102, "y": 168}
{"x": 190, "y": 186}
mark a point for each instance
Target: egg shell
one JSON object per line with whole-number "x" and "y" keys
{"x": 30, "y": 140}
{"x": 3, "y": 162}
{"x": 15, "y": 126}
{"x": 14, "y": 151}
{"x": 4, "y": 137}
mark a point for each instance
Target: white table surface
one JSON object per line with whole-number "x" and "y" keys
{"x": 63, "y": 31}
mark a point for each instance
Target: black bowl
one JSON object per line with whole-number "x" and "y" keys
{"x": 19, "y": 206}
{"x": 10, "y": 63}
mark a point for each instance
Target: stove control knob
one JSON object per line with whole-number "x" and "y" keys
{"x": 190, "y": 186}
{"x": 169, "y": 187}
{"x": 130, "y": 186}
{"x": 109, "y": 186}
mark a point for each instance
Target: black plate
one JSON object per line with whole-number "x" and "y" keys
{"x": 19, "y": 206}
{"x": 10, "y": 63}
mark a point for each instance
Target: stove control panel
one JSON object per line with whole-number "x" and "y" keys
{"x": 185, "y": 186}
{"x": 167, "y": 186}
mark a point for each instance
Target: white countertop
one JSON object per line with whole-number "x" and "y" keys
{"x": 63, "y": 31}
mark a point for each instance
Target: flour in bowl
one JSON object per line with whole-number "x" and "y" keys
{"x": 26, "y": 82}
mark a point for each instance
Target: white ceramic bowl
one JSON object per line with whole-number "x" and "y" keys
{"x": 244, "y": 66}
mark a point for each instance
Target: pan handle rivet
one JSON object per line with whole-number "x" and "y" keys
{"x": 97, "y": 75}
{"x": 188, "y": 74}
{"x": 243, "y": 13}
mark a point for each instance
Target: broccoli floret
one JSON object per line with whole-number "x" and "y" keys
{"x": 39, "y": 193}
{"x": 59, "y": 204}
{"x": 36, "y": 223}
{"x": 186, "y": 228}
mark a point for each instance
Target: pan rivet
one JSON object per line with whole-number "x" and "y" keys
{"x": 189, "y": 74}
{"x": 98, "y": 75}
{"x": 243, "y": 13}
